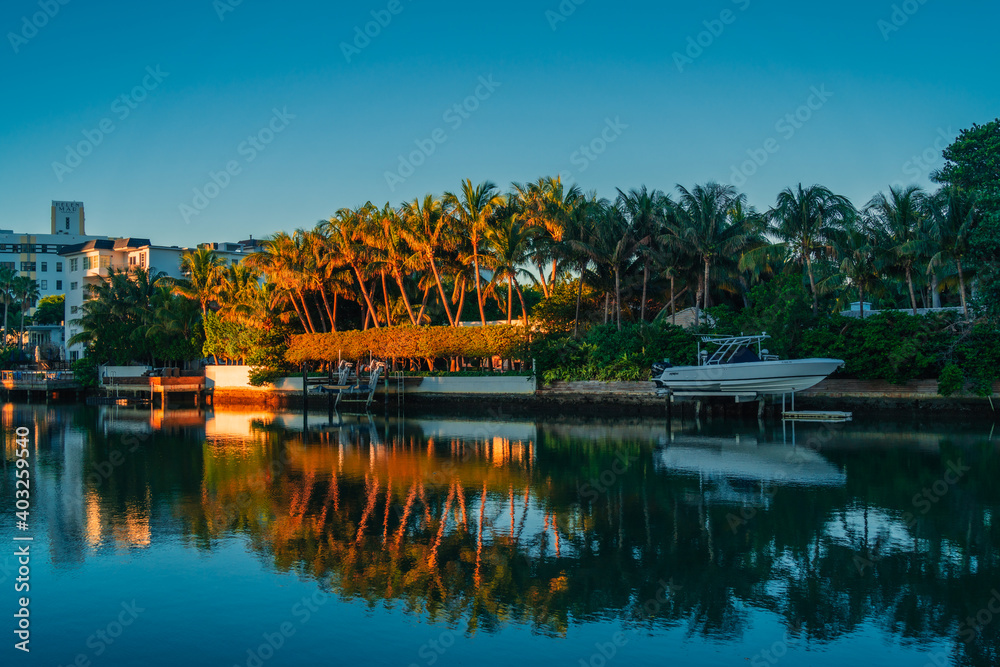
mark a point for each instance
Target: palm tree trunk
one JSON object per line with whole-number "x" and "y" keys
{"x": 607, "y": 297}
{"x": 305, "y": 307}
{"x": 812, "y": 284}
{"x": 645, "y": 284}
{"x": 385, "y": 297}
{"x": 545, "y": 283}
{"x": 326, "y": 304}
{"x": 579, "y": 298}
{"x": 861, "y": 293}
{"x": 524, "y": 309}
{"x": 961, "y": 289}
{"x": 364, "y": 293}
{"x": 444, "y": 300}
{"x": 697, "y": 301}
{"x": 335, "y": 299}
{"x": 5, "y": 304}
{"x": 298, "y": 311}
{"x": 673, "y": 306}
{"x": 423, "y": 305}
{"x": 935, "y": 293}
{"x": 618, "y": 298}
{"x": 555, "y": 265}
{"x": 461, "y": 302}
{"x": 909, "y": 283}
{"x": 319, "y": 311}
{"x": 479, "y": 289}
{"x": 402, "y": 290}
{"x": 510, "y": 299}
{"x": 708, "y": 263}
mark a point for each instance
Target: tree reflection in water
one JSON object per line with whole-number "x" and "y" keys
{"x": 485, "y": 530}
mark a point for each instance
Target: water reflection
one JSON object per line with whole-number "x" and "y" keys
{"x": 548, "y": 524}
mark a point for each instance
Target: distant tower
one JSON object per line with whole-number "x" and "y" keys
{"x": 67, "y": 218}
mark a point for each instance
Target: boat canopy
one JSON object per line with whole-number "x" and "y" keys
{"x": 732, "y": 350}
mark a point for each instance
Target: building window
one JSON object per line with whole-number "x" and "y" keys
{"x": 67, "y": 223}
{"x": 58, "y": 267}
{"x": 105, "y": 261}
{"x": 8, "y": 265}
{"x": 59, "y": 285}
{"x": 86, "y": 263}
{"x": 73, "y": 309}
{"x": 74, "y": 356}
{"x": 72, "y": 287}
{"x": 45, "y": 266}
{"x": 131, "y": 260}
{"x": 142, "y": 260}
{"x": 43, "y": 284}
{"x": 27, "y": 266}
{"x": 74, "y": 264}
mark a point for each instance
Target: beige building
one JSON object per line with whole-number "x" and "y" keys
{"x": 89, "y": 262}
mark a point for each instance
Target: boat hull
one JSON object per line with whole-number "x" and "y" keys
{"x": 762, "y": 377}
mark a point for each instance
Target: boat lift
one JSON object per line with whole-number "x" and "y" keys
{"x": 345, "y": 388}
{"x": 728, "y": 347}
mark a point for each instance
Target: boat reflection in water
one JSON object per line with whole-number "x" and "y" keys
{"x": 696, "y": 541}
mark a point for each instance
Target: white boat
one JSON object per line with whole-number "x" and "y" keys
{"x": 735, "y": 369}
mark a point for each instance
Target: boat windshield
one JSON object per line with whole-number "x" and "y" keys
{"x": 731, "y": 349}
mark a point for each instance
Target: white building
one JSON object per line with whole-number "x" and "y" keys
{"x": 37, "y": 255}
{"x": 89, "y": 262}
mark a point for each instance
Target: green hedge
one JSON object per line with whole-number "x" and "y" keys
{"x": 607, "y": 354}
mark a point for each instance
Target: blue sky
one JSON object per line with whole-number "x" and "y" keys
{"x": 628, "y": 81}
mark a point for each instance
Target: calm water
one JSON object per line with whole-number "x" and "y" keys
{"x": 242, "y": 538}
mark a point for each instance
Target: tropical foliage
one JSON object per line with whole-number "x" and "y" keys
{"x": 570, "y": 266}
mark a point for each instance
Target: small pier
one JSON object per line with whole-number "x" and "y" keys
{"x": 139, "y": 390}
{"x": 51, "y": 384}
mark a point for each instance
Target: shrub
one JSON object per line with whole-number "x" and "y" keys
{"x": 607, "y": 354}
{"x": 409, "y": 342}
{"x": 85, "y": 371}
{"x": 951, "y": 380}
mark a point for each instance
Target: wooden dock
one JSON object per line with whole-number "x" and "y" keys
{"x": 49, "y": 383}
{"x": 149, "y": 388}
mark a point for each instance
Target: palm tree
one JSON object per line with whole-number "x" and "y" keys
{"x": 238, "y": 285}
{"x": 426, "y": 231}
{"x": 202, "y": 270}
{"x": 7, "y": 277}
{"x": 613, "y": 247}
{"x": 345, "y": 232}
{"x": 646, "y": 211}
{"x": 707, "y": 230}
{"x": 26, "y": 293}
{"x": 860, "y": 248}
{"x": 281, "y": 260}
{"x": 955, "y": 216}
{"x": 473, "y": 209}
{"x": 901, "y": 215}
{"x": 803, "y": 219}
{"x": 117, "y": 315}
{"x": 548, "y": 205}
{"x": 175, "y": 325}
{"x": 580, "y": 232}
{"x": 391, "y": 251}
{"x": 509, "y": 242}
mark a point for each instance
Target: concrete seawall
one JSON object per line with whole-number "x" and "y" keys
{"x": 518, "y": 393}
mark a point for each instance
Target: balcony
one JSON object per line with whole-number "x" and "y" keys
{"x": 101, "y": 272}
